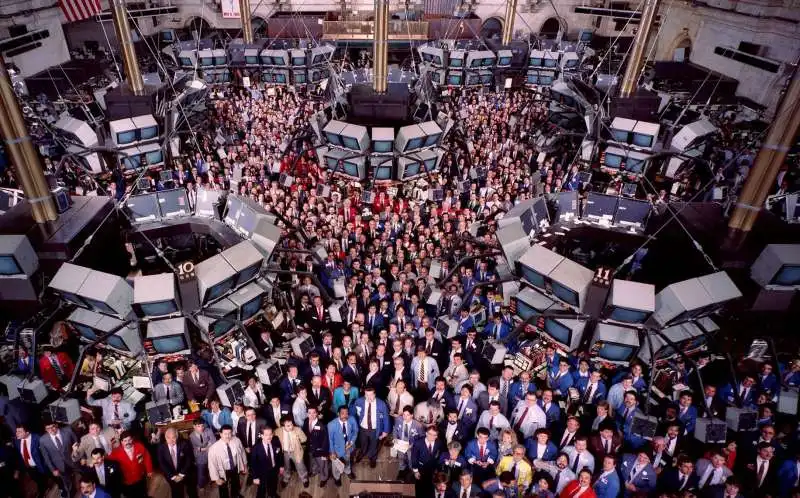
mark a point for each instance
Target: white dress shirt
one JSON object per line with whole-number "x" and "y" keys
{"x": 370, "y": 406}
{"x": 100, "y": 470}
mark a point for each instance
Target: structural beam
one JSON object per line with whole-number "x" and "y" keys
{"x": 120, "y": 17}
{"x": 24, "y": 157}
{"x": 772, "y": 155}
{"x": 247, "y": 23}
{"x": 380, "y": 55}
{"x": 636, "y": 59}
{"x": 508, "y": 26}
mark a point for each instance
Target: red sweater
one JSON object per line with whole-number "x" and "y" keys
{"x": 134, "y": 470}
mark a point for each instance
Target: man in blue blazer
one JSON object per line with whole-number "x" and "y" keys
{"x": 34, "y": 466}
{"x": 550, "y": 408}
{"x": 289, "y": 384}
{"x": 496, "y": 329}
{"x": 593, "y": 390}
{"x": 342, "y": 433}
{"x": 540, "y": 447}
{"x": 607, "y": 484}
{"x": 90, "y": 489}
{"x": 466, "y": 407}
{"x": 562, "y": 380}
{"x": 519, "y": 389}
{"x": 638, "y": 475}
{"x": 687, "y": 413}
{"x": 465, "y": 322}
{"x": 481, "y": 454}
{"x": 625, "y": 421}
{"x": 787, "y": 475}
{"x": 409, "y": 430}
{"x": 552, "y": 358}
{"x": 374, "y": 424}
{"x": 424, "y": 459}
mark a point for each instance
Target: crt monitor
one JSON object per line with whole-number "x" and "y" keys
{"x": 532, "y": 277}
{"x": 85, "y": 331}
{"x": 9, "y": 266}
{"x": 383, "y": 172}
{"x": 565, "y": 294}
{"x": 223, "y": 325}
{"x": 382, "y": 146}
{"x": 159, "y": 308}
{"x": 614, "y": 343}
{"x": 504, "y": 61}
{"x": 454, "y": 79}
{"x": 298, "y": 61}
{"x": 456, "y": 62}
{"x": 334, "y": 139}
{"x": 221, "y": 288}
{"x": 613, "y": 161}
{"x": 627, "y": 315}
{"x": 415, "y": 143}
{"x": 788, "y": 275}
{"x": 610, "y": 351}
{"x": 533, "y": 79}
{"x": 642, "y": 140}
{"x": 557, "y": 331}
{"x": 126, "y": 137}
{"x": 350, "y": 143}
{"x": 350, "y": 168}
{"x": 148, "y": 132}
{"x": 250, "y": 308}
{"x": 170, "y": 344}
{"x": 411, "y": 169}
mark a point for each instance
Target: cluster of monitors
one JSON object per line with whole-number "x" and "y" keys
{"x": 632, "y": 138}
{"x": 127, "y": 137}
{"x": 544, "y": 62}
{"x": 223, "y": 324}
{"x": 215, "y": 61}
{"x": 158, "y": 205}
{"x": 217, "y": 77}
{"x": 622, "y": 210}
{"x": 143, "y": 159}
{"x": 623, "y": 161}
{"x": 543, "y": 78}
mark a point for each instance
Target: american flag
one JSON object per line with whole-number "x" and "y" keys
{"x": 78, "y": 10}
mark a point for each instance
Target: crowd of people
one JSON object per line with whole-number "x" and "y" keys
{"x": 383, "y": 384}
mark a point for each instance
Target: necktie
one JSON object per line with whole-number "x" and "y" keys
{"x": 565, "y": 439}
{"x": 625, "y": 414}
{"x": 26, "y": 455}
{"x": 369, "y": 416}
{"x": 607, "y": 444}
{"x": 482, "y": 452}
{"x": 397, "y": 404}
{"x": 405, "y": 432}
{"x": 174, "y": 454}
{"x": 167, "y": 388}
{"x": 428, "y": 348}
{"x": 258, "y": 397}
{"x": 521, "y": 418}
{"x": 57, "y": 366}
{"x": 464, "y": 493}
{"x": 430, "y": 448}
{"x": 634, "y": 472}
{"x": 250, "y": 439}
{"x": 316, "y": 394}
{"x": 576, "y": 463}
{"x": 430, "y": 416}
{"x": 101, "y": 475}
{"x": 271, "y": 455}
{"x": 588, "y": 396}
{"x": 344, "y": 430}
{"x": 762, "y": 470}
{"x": 422, "y": 371}
{"x": 491, "y": 423}
{"x": 683, "y": 482}
{"x": 514, "y": 469}
{"x": 58, "y": 442}
{"x": 116, "y": 411}
{"x": 460, "y": 407}
{"x": 555, "y": 481}
{"x": 202, "y": 442}
{"x": 230, "y": 457}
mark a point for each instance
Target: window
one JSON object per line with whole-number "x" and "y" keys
{"x": 748, "y": 59}
{"x": 752, "y": 48}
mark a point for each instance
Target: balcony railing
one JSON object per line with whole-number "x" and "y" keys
{"x": 364, "y": 30}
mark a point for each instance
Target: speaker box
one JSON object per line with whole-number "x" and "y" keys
{"x": 158, "y": 412}
{"x": 711, "y": 431}
{"x": 495, "y": 353}
{"x": 65, "y": 411}
{"x": 286, "y": 180}
{"x": 339, "y": 288}
{"x": 435, "y": 270}
{"x": 323, "y": 191}
{"x": 644, "y": 426}
{"x": 302, "y": 345}
{"x": 787, "y": 401}
{"x": 62, "y": 199}
{"x": 741, "y": 419}
{"x": 268, "y": 373}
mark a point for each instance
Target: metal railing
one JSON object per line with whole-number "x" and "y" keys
{"x": 364, "y": 30}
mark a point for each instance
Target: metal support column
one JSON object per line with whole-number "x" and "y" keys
{"x": 380, "y": 54}
{"x": 508, "y": 26}
{"x": 247, "y": 23}
{"x": 24, "y": 157}
{"x": 120, "y": 17}
{"x": 761, "y": 179}
{"x": 636, "y": 58}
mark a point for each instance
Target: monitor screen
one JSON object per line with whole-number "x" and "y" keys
{"x": 615, "y": 352}
{"x": 558, "y": 331}
{"x": 86, "y": 332}
{"x": 132, "y": 162}
{"x": 279, "y": 61}
{"x": 504, "y": 61}
{"x": 634, "y": 165}
{"x": 219, "y": 61}
{"x": 545, "y": 79}
{"x": 486, "y": 79}
{"x": 430, "y": 164}
{"x": 788, "y": 275}
{"x": 414, "y": 143}
{"x": 220, "y": 289}
{"x": 159, "y": 308}
{"x": 565, "y": 294}
{"x": 247, "y": 274}
{"x": 226, "y": 76}
{"x": 206, "y": 61}
{"x": 619, "y": 135}
{"x": 298, "y": 61}
{"x": 116, "y": 342}
{"x": 454, "y": 79}
{"x": 167, "y": 35}
{"x": 299, "y": 78}
{"x": 427, "y": 57}
{"x": 437, "y": 60}
{"x": 533, "y": 79}
{"x": 456, "y": 62}
{"x": 642, "y": 140}
{"x": 251, "y": 59}
{"x": 432, "y": 140}
{"x": 350, "y": 169}
{"x": 186, "y": 61}
{"x": 613, "y": 161}
{"x": 332, "y": 163}
{"x": 155, "y": 157}
{"x": 383, "y": 173}
{"x": 488, "y": 61}
{"x": 72, "y": 298}
{"x": 249, "y": 309}
{"x": 628, "y": 315}
{"x": 318, "y": 59}
{"x": 266, "y": 60}
{"x": 99, "y": 306}
{"x": 209, "y": 77}
{"x": 223, "y": 325}
{"x": 412, "y": 169}
{"x": 586, "y": 36}
{"x": 126, "y": 137}
{"x": 571, "y": 63}
{"x": 351, "y": 143}
{"x": 382, "y": 146}
{"x": 170, "y": 344}
{"x": 524, "y": 311}
{"x": 550, "y": 62}
{"x": 535, "y": 61}
{"x": 279, "y": 78}
{"x": 9, "y": 266}
{"x": 476, "y": 63}
{"x": 533, "y": 277}
{"x": 333, "y": 138}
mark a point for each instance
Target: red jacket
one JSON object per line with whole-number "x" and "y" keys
{"x": 134, "y": 470}
{"x": 572, "y": 488}
{"x": 337, "y": 381}
{"x": 48, "y": 373}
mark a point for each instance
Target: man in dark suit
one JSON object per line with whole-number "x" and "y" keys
{"x": 275, "y": 411}
{"x": 267, "y": 464}
{"x": 248, "y": 429}
{"x": 352, "y": 371}
{"x": 318, "y": 446}
{"x": 176, "y": 461}
{"x": 762, "y": 471}
{"x": 607, "y": 441}
{"x": 731, "y": 489}
{"x": 433, "y": 348}
{"x": 319, "y": 395}
{"x": 424, "y": 458}
{"x": 289, "y": 385}
{"x": 106, "y": 473}
{"x": 56, "y": 449}
{"x": 679, "y": 478}
{"x": 198, "y": 385}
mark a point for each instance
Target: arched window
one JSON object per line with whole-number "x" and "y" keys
{"x": 550, "y": 28}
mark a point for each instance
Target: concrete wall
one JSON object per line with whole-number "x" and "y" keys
{"x": 54, "y": 48}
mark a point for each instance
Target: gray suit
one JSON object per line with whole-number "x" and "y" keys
{"x": 201, "y": 457}
{"x": 175, "y": 393}
{"x": 60, "y": 458}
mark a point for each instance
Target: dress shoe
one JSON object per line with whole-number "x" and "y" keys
{"x": 373, "y": 464}
{"x": 305, "y": 483}
{"x": 352, "y": 475}
{"x": 338, "y": 483}
{"x": 324, "y": 483}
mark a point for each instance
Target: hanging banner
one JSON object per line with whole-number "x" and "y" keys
{"x": 230, "y": 9}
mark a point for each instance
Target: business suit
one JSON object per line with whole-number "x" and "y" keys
{"x": 607, "y": 485}
{"x": 644, "y": 480}
{"x": 99, "y": 493}
{"x": 552, "y": 412}
{"x": 218, "y": 460}
{"x": 598, "y": 393}
{"x": 122, "y": 412}
{"x": 353, "y": 374}
{"x": 560, "y": 382}
{"x": 249, "y": 439}
{"x": 273, "y": 414}
{"x": 547, "y": 453}
{"x": 518, "y": 391}
{"x": 484, "y": 400}
{"x": 37, "y": 470}
{"x": 89, "y": 443}
{"x": 175, "y": 463}
{"x": 597, "y": 445}
{"x": 322, "y": 400}
{"x": 172, "y": 393}
{"x": 787, "y": 476}
{"x": 368, "y": 439}
{"x": 431, "y": 369}
{"x": 467, "y": 412}
{"x": 495, "y": 331}
{"x": 425, "y": 461}
{"x": 201, "y": 389}
{"x": 223, "y": 418}
{"x": 57, "y": 456}
{"x": 341, "y": 438}
{"x": 287, "y": 389}
{"x": 523, "y": 470}
{"x": 292, "y": 444}
{"x": 201, "y": 442}
{"x": 584, "y": 460}
{"x": 109, "y": 477}
{"x": 688, "y": 417}
{"x": 410, "y": 432}
{"x": 473, "y": 492}
{"x": 672, "y": 481}
{"x": 459, "y": 433}
{"x": 768, "y": 485}
{"x": 267, "y": 459}
{"x": 625, "y": 423}
{"x": 318, "y": 447}
{"x": 494, "y": 423}
{"x": 472, "y": 452}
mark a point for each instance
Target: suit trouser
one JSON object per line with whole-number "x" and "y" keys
{"x": 299, "y": 465}
{"x": 135, "y": 490}
{"x": 368, "y": 443}
{"x": 231, "y": 487}
{"x": 403, "y": 459}
{"x": 320, "y": 465}
{"x": 38, "y": 479}
{"x": 187, "y": 483}
{"x": 65, "y": 483}
{"x": 347, "y": 468}
{"x": 268, "y": 487}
